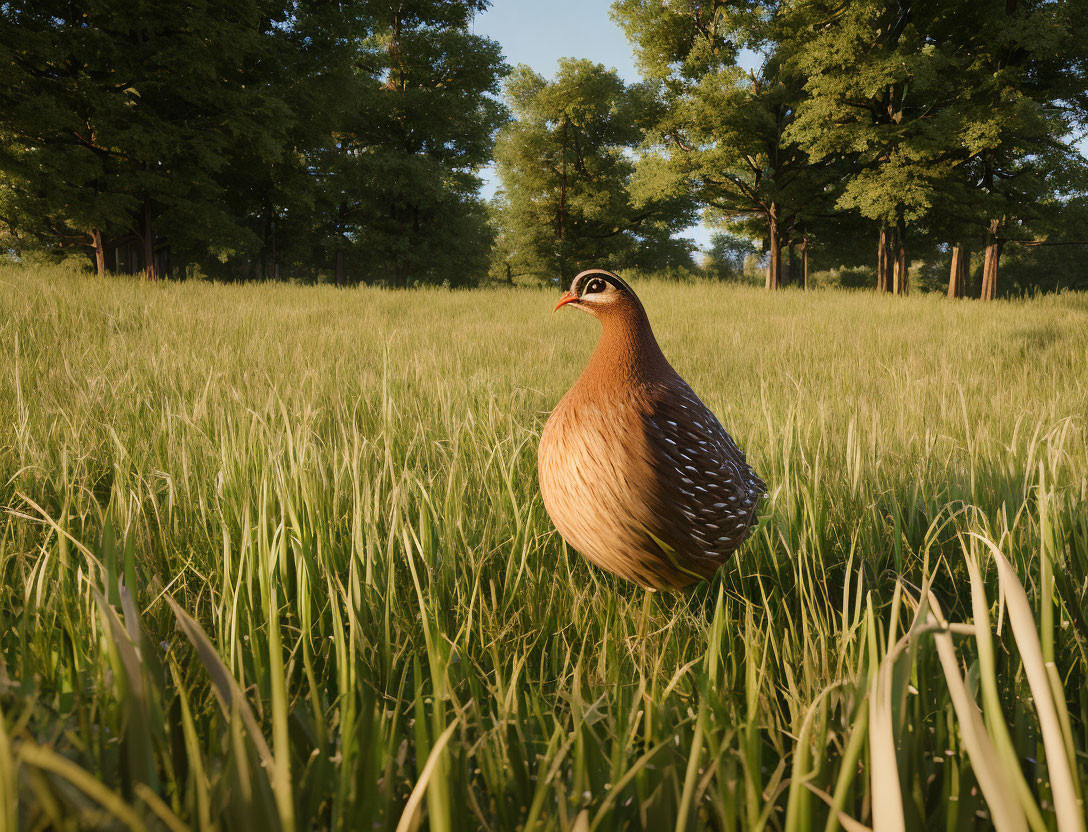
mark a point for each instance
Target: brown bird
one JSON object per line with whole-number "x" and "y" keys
{"x": 636, "y": 472}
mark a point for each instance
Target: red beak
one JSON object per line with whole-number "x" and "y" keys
{"x": 568, "y": 297}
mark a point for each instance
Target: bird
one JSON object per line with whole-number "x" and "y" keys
{"x": 637, "y": 474}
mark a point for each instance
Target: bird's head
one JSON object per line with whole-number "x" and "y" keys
{"x": 600, "y": 293}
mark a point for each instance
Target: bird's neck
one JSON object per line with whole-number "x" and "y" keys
{"x": 626, "y": 353}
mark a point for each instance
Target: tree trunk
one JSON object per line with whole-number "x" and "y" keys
{"x": 340, "y": 268}
{"x": 400, "y": 274}
{"x": 954, "y": 272}
{"x": 957, "y": 274}
{"x": 791, "y": 269}
{"x": 804, "y": 260}
{"x": 774, "y": 265}
{"x": 882, "y": 282}
{"x": 767, "y": 249}
{"x": 99, "y": 253}
{"x": 149, "y": 242}
{"x": 991, "y": 261}
{"x": 560, "y": 220}
{"x": 965, "y": 270}
{"x": 263, "y": 254}
{"x": 900, "y": 277}
{"x": 275, "y": 265}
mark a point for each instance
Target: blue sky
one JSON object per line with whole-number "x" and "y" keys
{"x": 540, "y": 32}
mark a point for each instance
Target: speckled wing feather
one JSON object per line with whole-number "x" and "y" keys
{"x": 705, "y": 497}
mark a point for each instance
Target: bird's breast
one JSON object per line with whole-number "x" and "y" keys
{"x": 593, "y": 468}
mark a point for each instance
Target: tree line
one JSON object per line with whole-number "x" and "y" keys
{"x": 344, "y": 141}
{"x": 251, "y": 139}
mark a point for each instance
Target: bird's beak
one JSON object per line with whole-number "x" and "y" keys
{"x": 568, "y": 297}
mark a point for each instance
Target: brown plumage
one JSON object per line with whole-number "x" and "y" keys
{"x": 636, "y": 472}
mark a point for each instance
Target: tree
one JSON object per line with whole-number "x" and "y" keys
{"x": 1024, "y": 100}
{"x": 881, "y": 84}
{"x": 273, "y": 187}
{"x": 116, "y": 117}
{"x": 722, "y": 135}
{"x": 400, "y": 169}
{"x": 567, "y": 167}
{"x": 954, "y": 115}
{"x": 728, "y": 255}
{"x": 252, "y": 133}
{"x": 200, "y": 76}
{"x": 58, "y": 184}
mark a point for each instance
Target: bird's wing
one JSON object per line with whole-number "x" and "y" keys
{"x": 705, "y": 492}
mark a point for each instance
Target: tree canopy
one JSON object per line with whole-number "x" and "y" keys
{"x": 270, "y": 139}
{"x": 950, "y": 114}
{"x": 927, "y": 116}
{"x": 567, "y": 163}
{"x": 347, "y": 137}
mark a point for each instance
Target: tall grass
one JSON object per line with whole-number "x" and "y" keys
{"x": 274, "y": 557}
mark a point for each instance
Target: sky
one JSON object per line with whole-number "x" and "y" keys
{"x": 540, "y": 32}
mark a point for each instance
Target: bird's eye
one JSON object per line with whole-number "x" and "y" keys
{"x": 596, "y": 285}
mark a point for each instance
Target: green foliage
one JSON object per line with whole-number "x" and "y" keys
{"x": 253, "y": 135}
{"x": 104, "y": 107}
{"x": 842, "y": 277}
{"x": 1026, "y": 100}
{"x": 953, "y": 119}
{"x": 344, "y": 141}
{"x": 1044, "y": 268}
{"x": 729, "y": 255}
{"x": 401, "y": 163}
{"x": 723, "y": 133}
{"x": 880, "y": 83}
{"x": 957, "y": 118}
{"x": 374, "y": 617}
{"x": 567, "y": 165}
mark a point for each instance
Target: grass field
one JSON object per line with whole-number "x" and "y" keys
{"x": 275, "y": 557}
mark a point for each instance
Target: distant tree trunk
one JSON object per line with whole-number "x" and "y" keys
{"x": 774, "y": 265}
{"x": 275, "y": 265}
{"x": 900, "y": 277}
{"x": 99, "y": 252}
{"x": 400, "y": 274}
{"x": 340, "y": 268}
{"x": 882, "y": 282}
{"x": 791, "y": 268}
{"x": 149, "y": 242}
{"x": 262, "y": 257}
{"x": 767, "y": 249}
{"x": 991, "y": 261}
{"x": 804, "y": 260}
{"x": 957, "y": 274}
{"x": 954, "y": 272}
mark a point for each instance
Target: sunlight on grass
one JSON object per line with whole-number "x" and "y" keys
{"x": 274, "y": 557}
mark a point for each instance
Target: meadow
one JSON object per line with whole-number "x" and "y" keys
{"x": 274, "y": 557}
